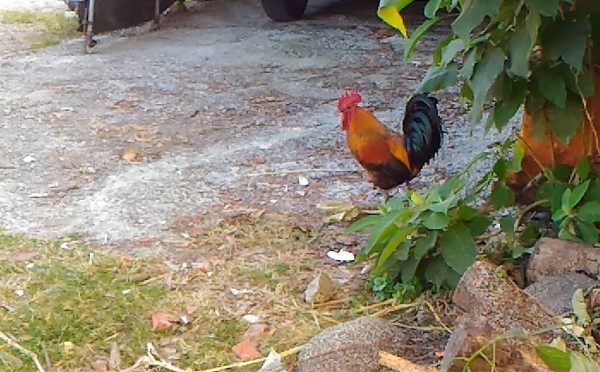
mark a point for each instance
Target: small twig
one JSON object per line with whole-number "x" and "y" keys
{"x": 526, "y": 210}
{"x": 535, "y": 158}
{"x": 588, "y": 115}
{"x": 375, "y": 305}
{"x": 151, "y": 360}
{"x": 316, "y": 319}
{"x": 46, "y": 357}
{"x": 420, "y": 328}
{"x": 391, "y": 309}
{"x": 437, "y": 317}
{"x": 308, "y": 170}
{"x": 22, "y": 350}
{"x": 331, "y": 303}
{"x": 286, "y": 353}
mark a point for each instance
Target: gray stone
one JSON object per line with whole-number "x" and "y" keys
{"x": 553, "y": 257}
{"x": 494, "y": 305}
{"x": 556, "y": 291}
{"x": 350, "y": 346}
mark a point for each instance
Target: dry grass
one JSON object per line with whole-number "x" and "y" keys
{"x": 78, "y": 301}
{"x": 43, "y": 29}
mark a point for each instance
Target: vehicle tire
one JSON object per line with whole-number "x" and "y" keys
{"x": 284, "y": 10}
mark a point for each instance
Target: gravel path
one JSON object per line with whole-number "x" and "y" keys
{"x": 217, "y": 96}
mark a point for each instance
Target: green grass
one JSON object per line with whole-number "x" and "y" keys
{"x": 43, "y": 28}
{"x": 78, "y": 301}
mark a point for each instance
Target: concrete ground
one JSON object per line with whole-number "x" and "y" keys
{"x": 154, "y": 129}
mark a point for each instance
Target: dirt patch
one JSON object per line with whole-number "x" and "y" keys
{"x": 211, "y": 101}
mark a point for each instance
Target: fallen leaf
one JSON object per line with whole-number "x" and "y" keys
{"x": 246, "y": 350}
{"x": 126, "y": 259}
{"x": 25, "y": 256}
{"x": 99, "y": 366}
{"x": 259, "y": 160}
{"x": 131, "y": 155}
{"x": 145, "y": 240}
{"x": 272, "y": 363}
{"x": 254, "y": 332}
{"x": 161, "y": 321}
{"x": 320, "y": 289}
{"x": 190, "y": 309}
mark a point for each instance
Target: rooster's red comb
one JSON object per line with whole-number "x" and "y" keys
{"x": 349, "y": 98}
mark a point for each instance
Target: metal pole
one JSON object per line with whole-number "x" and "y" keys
{"x": 89, "y": 29}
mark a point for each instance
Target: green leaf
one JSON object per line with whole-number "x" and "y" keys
{"x": 472, "y": 15}
{"x": 567, "y": 39}
{"x": 547, "y": 8}
{"x": 517, "y": 158}
{"x": 507, "y": 224}
{"x": 437, "y": 271}
{"x": 501, "y": 196}
{"x": 564, "y": 122}
{"x": 583, "y": 168}
{"x": 589, "y": 212}
{"x": 469, "y": 64}
{"x": 402, "y": 251}
{"x": 416, "y": 36}
{"x": 579, "y": 82}
{"x": 578, "y": 193}
{"x": 392, "y": 244}
{"x": 431, "y": 8}
{"x": 486, "y": 72}
{"x": 506, "y": 108}
{"x": 519, "y": 51}
{"x": 436, "y": 221}
{"x": 438, "y": 77}
{"x": 553, "y": 87}
{"x": 363, "y": 223}
{"x": 437, "y": 52}
{"x": 557, "y": 360}
{"x": 457, "y": 247}
{"x": 409, "y": 268}
{"x": 425, "y": 244}
{"x": 565, "y": 234}
{"x": 564, "y": 200}
{"x": 384, "y": 228}
{"x": 559, "y": 215}
{"x": 587, "y": 231}
{"x": 450, "y": 51}
{"x": 478, "y": 225}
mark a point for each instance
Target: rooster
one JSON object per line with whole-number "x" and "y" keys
{"x": 391, "y": 158}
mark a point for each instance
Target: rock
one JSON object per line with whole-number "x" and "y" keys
{"x": 100, "y": 365}
{"x": 272, "y": 363}
{"x": 557, "y": 291}
{"x": 553, "y": 257}
{"x": 351, "y": 346}
{"x": 471, "y": 333}
{"x": 493, "y": 306}
{"x": 485, "y": 291}
{"x": 320, "y": 289}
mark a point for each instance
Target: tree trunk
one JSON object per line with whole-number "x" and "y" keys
{"x": 549, "y": 151}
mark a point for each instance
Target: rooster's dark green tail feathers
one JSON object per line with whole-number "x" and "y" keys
{"x": 422, "y": 127}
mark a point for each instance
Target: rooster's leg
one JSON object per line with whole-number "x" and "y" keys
{"x": 386, "y": 195}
